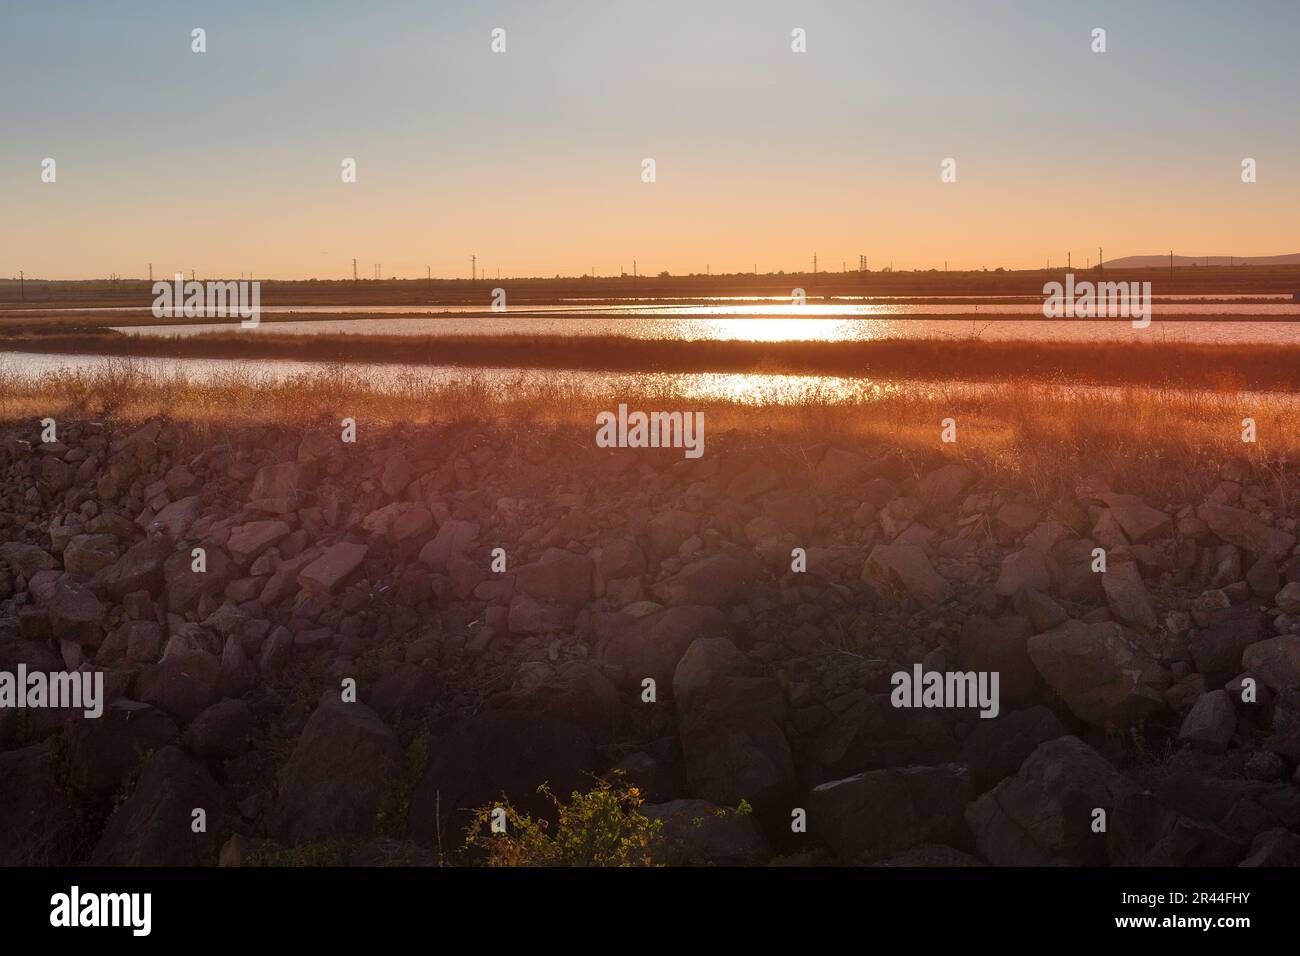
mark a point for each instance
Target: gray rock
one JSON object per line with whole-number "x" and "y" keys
{"x": 1276, "y": 661}
{"x": 558, "y": 577}
{"x": 719, "y": 580}
{"x": 454, "y": 537}
{"x": 153, "y": 827}
{"x": 652, "y": 645}
{"x": 139, "y": 569}
{"x": 75, "y": 614}
{"x": 249, "y": 540}
{"x": 1288, "y": 599}
{"x": 1217, "y": 648}
{"x": 880, "y": 812}
{"x": 1026, "y": 568}
{"x": 995, "y": 749}
{"x": 222, "y": 731}
{"x": 335, "y": 779}
{"x": 103, "y": 753}
{"x": 1043, "y": 815}
{"x": 945, "y": 485}
{"x": 183, "y": 683}
{"x": 1240, "y": 527}
{"x": 333, "y": 567}
{"x": 89, "y": 553}
{"x": 1210, "y": 723}
{"x": 1100, "y": 676}
{"x": 1139, "y": 521}
{"x": 1127, "y": 595}
{"x": 893, "y": 568}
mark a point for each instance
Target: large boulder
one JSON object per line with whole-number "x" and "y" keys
{"x": 75, "y": 614}
{"x": 454, "y": 537}
{"x": 1217, "y": 648}
{"x": 1072, "y": 575}
{"x": 880, "y": 812}
{"x": 1001, "y": 646}
{"x": 891, "y": 568}
{"x": 730, "y": 727}
{"x": 1127, "y": 595}
{"x": 1026, "y": 568}
{"x": 1139, "y": 521}
{"x": 719, "y": 580}
{"x": 1276, "y": 661}
{"x": 652, "y": 645}
{"x": 873, "y": 733}
{"x": 26, "y": 559}
{"x": 102, "y": 753}
{"x": 183, "y": 683}
{"x": 154, "y": 827}
{"x": 139, "y": 569}
{"x": 995, "y": 749}
{"x": 943, "y": 487}
{"x": 1044, "y": 815}
{"x": 89, "y": 553}
{"x": 336, "y": 777}
{"x": 184, "y": 586}
{"x": 1240, "y": 527}
{"x": 333, "y": 567}
{"x": 37, "y": 820}
{"x": 1101, "y": 677}
{"x": 1210, "y": 723}
{"x": 558, "y": 577}
{"x": 249, "y": 540}
{"x": 279, "y": 480}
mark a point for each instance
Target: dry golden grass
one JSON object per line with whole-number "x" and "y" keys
{"x": 1037, "y": 435}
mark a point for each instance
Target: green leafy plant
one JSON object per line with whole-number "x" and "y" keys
{"x": 602, "y": 827}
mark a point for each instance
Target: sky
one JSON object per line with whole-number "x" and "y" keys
{"x": 230, "y": 160}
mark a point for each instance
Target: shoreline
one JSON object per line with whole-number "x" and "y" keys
{"x": 374, "y": 562}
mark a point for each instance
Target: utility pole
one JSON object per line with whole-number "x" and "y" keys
{"x": 22, "y": 285}
{"x": 354, "y": 269}
{"x": 151, "y": 273}
{"x": 473, "y": 267}
{"x": 1171, "y": 263}
{"x": 1069, "y": 262}
{"x": 633, "y": 268}
{"x": 814, "y": 263}
{"x": 1100, "y": 267}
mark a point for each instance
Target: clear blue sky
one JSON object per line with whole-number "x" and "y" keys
{"x": 230, "y": 160}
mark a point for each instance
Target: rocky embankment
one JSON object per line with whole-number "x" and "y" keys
{"x": 501, "y": 599}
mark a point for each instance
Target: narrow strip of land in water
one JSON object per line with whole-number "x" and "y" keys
{"x": 1171, "y": 364}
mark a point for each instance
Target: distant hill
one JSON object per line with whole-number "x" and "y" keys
{"x": 1152, "y": 262}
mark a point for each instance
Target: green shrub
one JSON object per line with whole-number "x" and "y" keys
{"x": 602, "y": 827}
